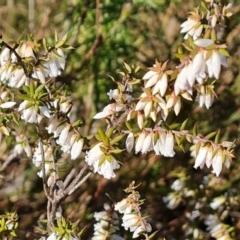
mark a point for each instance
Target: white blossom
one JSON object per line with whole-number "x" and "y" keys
{"x": 148, "y": 143}
{"x": 139, "y": 142}
{"x": 168, "y": 146}
{"x": 177, "y": 185}
{"x": 214, "y": 63}
{"x": 107, "y": 225}
{"x": 109, "y": 110}
{"x": 104, "y": 168}
{"x": 192, "y": 27}
{"x": 201, "y": 157}
{"x": 7, "y": 104}
{"x": 76, "y": 148}
{"x": 113, "y": 94}
{"x": 21, "y": 146}
{"x": 130, "y": 142}
{"x": 182, "y": 82}
{"x": 217, "y": 202}
{"x": 29, "y": 113}
{"x": 217, "y": 163}
{"x": 198, "y": 67}
{"x": 216, "y": 228}
{"x": 55, "y": 236}
{"x": 4, "y": 56}
{"x": 161, "y": 85}
{"x": 172, "y": 200}
{"x": 17, "y": 78}
{"x": 132, "y": 219}
{"x": 40, "y": 73}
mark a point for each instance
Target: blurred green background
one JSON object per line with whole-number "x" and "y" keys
{"x": 105, "y": 33}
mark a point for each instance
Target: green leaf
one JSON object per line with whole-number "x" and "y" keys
{"x": 128, "y": 125}
{"x": 153, "y": 234}
{"x": 184, "y": 124}
{"x": 137, "y": 68}
{"x": 26, "y": 89}
{"x": 127, "y": 67}
{"x": 103, "y": 149}
{"x": 116, "y": 139}
{"x": 110, "y": 132}
{"x": 31, "y": 88}
{"x": 97, "y": 136}
{"x": 217, "y": 137}
{"x": 45, "y": 44}
{"x": 64, "y": 38}
{"x": 224, "y": 52}
{"x": 103, "y": 137}
{"x": 179, "y": 55}
{"x": 101, "y": 134}
{"x": 174, "y": 126}
{"x": 210, "y": 135}
{"x": 59, "y": 44}
{"x": 68, "y": 47}
{"x": 117, "y": 151}
{"x": 195, "y": 130}
{"x": 42, "y": 95}
{"x": 38, "y": 90}
{"x": 187, "y": 47}
{"x": 213, "y": 34}
{"x": 102, "y": 160}
{"x": 77, "y": 123}
{"x": 56, "y": 36}
{"x": 24, "y": 97}
{"x": 14, "y": 117}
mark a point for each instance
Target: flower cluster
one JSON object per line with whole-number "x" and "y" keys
{"x": 31, "y": 114}
{"x": 217, "y": 229}
{"x": 8, "y": 225}
{"x": 22, "y": 146}
{"x": 206, "y": 63}
{"x": 120, "y": 96}
{"x": 213, "y": 155}
{"x": 70, "y": 141}
{"x": 173, "y": 199}
{"x": 43, "y": 152}
{"x": 107, "y": 225}
{"x": 160, "y": 141}
{"x": 193, "y": 26}
{"x": 132, "y": 218}
{"x": 55, "y": 236}
{"x": 15, "y": 74}
{"x": 110, "y": 110}
{"x": 102, "y": 163}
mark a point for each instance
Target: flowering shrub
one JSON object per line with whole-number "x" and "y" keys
{"x": 140, "y": 119}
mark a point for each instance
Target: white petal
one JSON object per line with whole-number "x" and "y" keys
{"x": 152, "y": 81}
{"x": 76, "y": 149}
{"x": 147, "y": 144}
{"x": 217, "y": 164}
{"x": 130, "y": 142}
{"x": 45, "y": 111}
{"x": 7, "y": 104}
{"x": 139, "y": 143}
{"x": 63, "y": 135}
{"x": 201, "y": 157}
{"x": 177, "y": 106}
{"x": 148, "y": 75}
{"x": 140, "y": 105}
{"x": 102, "y": 114}
{"x": 202, "y": 42}
{"x": 164, "y": 84}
